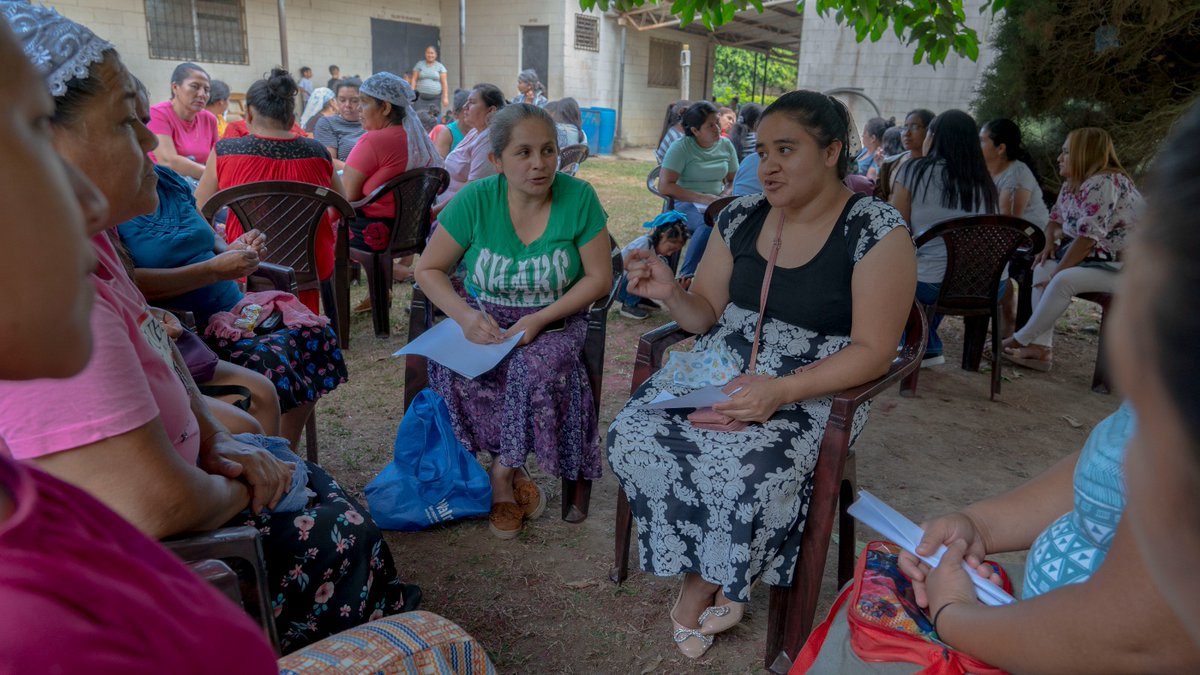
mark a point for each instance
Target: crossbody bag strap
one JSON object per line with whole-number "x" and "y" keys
{"x": 766, "y": 288}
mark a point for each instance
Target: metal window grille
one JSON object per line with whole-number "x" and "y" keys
{"x": 664, "y": 63}
{"x": 213, "y": 31}
{"x": 587, "y": 33}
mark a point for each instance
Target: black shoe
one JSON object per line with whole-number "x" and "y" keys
{"x": 634, "y": 312}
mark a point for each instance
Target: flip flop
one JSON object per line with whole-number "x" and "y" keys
{"x": 1041, "y": 363}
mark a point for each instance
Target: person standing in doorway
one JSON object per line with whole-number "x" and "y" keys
{"x": 428, "y": 79}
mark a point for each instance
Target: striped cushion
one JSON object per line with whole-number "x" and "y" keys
{"x": 413, "y": 642}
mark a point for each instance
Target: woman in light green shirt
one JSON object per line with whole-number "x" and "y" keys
{"x": 696, "y": 171}
{"x": 428, "y": 79}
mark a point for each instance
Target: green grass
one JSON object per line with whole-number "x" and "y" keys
{"x": 621, "y": 184}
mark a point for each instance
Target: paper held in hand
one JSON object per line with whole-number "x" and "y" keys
{"x": 697, "y": 398}
{"x": 885, "y": 520}
{"x": 446, "y": 344}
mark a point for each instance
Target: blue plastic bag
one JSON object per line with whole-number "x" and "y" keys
{"x": 432, "y": 477}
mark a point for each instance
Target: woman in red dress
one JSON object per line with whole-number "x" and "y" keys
{"x": 273, "y": 152}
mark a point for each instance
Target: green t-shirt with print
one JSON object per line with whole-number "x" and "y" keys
{"x": 500, "y": 268}
{"x": 701, "y": 169}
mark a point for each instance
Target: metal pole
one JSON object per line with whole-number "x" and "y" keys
{"x": 754, "y": 77}
{"x": 462, "y": 44}
{"x": 283, "y": 36}
{"x": 766, "y": 72}
{"x": 621, "y": 83}
{"x": 685, "y": 66}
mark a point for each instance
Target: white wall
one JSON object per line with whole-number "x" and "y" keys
{"x": 320, "y": 32}
{"x": 830, "y": 57}
{"x": 594, "y": 76}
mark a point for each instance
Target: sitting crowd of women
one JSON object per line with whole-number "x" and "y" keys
{"x": 719, "y": 496}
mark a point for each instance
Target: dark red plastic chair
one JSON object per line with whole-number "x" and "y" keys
{"x": 288, "y": 213}
{"x": 576, "y": 493}
{"x": 791, "y": 610}
{"x": 414, "y": 193}
{"x": 977, "y": 250}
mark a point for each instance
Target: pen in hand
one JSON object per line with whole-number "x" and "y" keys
{"x": 484, "y": 312}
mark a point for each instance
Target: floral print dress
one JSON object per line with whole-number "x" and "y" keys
{"x": 1104, "y": 209}
{"x": 730, "y": 506}
{"x": 328, "y": 568}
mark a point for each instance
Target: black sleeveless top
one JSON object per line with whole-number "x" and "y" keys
{"x": 816, "y": 295}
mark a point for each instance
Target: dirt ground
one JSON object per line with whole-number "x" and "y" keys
{"x": 543, "y": 603}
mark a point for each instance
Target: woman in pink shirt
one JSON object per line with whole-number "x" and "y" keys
{"x": 469, "y": 159}
{"x": 186, "y": 131}
{"x": 131, "y": 429}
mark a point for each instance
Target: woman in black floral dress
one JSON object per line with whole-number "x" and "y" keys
{"x": 726, "y": 508}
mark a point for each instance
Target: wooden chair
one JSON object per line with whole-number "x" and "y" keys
{"x": 237, "y": 105}
{"x": 977, "y": 250}
{"x": 576, "y": 494}
{"x": 652, "y": 186}
{"x": 414, "y": 192}
{"x": 572, "y": 157}
{"x": 791, "y": 610}
{"x": 240, "y": 549}
{"x": 288, "y": 213}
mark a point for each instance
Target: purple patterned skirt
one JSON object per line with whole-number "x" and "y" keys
{"x": 538, "y": 399}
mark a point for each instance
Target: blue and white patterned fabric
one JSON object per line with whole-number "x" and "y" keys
{"x": 1072, "y": 548}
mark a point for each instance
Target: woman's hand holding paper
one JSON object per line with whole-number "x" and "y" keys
{"x": 753, "y": 398}
{"x": 945, "y": 530}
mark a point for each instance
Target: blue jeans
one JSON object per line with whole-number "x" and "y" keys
{"x": 927, "y": 294}
{"x": 699, "y": 232}
{"x": 624, "y": 296}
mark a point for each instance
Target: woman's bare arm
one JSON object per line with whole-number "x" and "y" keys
{"x": 139, "y": 475}
{"x": 167, "y": 154}
{"x": 208, "y": 182}
{"x": 1115, "y": 622}
{"x": 668, "y": 185}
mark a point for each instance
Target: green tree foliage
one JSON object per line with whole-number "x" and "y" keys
{"x": 1131, "y": 67}
{"x": 735, "y": 71}
{"x": 935, "y": 27}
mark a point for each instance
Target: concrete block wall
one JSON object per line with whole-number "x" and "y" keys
{"x": 830, "y": 57}
{"x": 320, "y": 32}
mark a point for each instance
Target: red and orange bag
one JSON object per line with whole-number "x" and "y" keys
{"x": 886, "y": 625}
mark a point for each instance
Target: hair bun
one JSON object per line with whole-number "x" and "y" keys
{"x": 281, "y": 84}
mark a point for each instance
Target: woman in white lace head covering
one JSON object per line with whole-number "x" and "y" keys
{"x": 395, "y": 142}
{"x": 320, "y": 104}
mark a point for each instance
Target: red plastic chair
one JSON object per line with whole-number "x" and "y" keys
{"x": 791, "y": 610}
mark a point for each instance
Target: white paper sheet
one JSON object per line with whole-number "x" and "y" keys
{"x": 698, "y": 398}
{"x": 885, "y": 520}
{"x": 446, "y": 344}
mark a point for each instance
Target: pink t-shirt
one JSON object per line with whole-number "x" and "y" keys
{"x": 469, "y": 161}
{"x": 193, "y": 139}
{"x": 83, "y": 591}
{"x": 380, "y": 155}
{"x": 128, "y": 381}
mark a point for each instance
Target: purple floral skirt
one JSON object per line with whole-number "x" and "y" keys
{"x": 538, "y": 399}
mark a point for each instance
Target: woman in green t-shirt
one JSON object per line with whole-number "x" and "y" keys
{"x": 696, "y": 171}
{"x": 537, "y": 255}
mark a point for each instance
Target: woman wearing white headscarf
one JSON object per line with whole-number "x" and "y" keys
{"x": 320, "y": 104}
{"x": 395, "y": 142}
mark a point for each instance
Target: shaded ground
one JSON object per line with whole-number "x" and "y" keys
{"x": 542, "y": 603}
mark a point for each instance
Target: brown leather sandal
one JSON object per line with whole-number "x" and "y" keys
{"x": 529, "y": 497}
{"x": 505, "y": 520}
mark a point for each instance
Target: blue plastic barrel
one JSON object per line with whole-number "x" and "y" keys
{"x": 608, "y": 130}
{"x": 591, "y": 129}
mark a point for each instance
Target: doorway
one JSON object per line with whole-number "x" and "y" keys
{"x": 535, "y": 52}
{"x": 396, "y": 46}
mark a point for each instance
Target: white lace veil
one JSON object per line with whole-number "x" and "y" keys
{"x": 59, "y": 48}
{"x": 389, "y": 87}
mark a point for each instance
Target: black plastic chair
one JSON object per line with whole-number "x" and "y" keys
{"x": 414, "y": 192}
{"x": 240, "y": 549}
{"x": 571, "y": 158}
{"x": 576, "y": 493}
{"x": 791, "y": 610}
{"x": 289, "y": 213}
{"x": 977, "y": 250}
{"x": 652, "y": 186}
